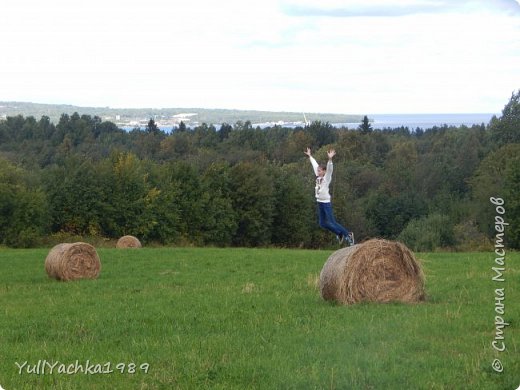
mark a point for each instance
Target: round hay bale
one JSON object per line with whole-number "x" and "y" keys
{"x": 128, "y": 242}
{"x": 375, "y": 270}
{"x": 73, "y": 261}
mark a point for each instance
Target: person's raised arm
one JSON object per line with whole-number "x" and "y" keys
{"x": 330, "y": 153}
{"x": 313, "y": 161}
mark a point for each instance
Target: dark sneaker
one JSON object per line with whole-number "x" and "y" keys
{"x": 350, "y": 238}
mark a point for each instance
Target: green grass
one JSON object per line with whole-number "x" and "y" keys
{"x": 251, "y": 319}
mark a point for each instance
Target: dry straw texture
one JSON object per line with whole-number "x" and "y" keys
{"x": 128, "y": 242}
{"x": 375, "y": 270}
{"x": 73, "y": 261}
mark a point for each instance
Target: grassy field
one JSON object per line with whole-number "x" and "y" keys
{"x": 203, "y": 318}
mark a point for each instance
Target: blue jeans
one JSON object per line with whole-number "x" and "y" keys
{"x": 327, "y": 220}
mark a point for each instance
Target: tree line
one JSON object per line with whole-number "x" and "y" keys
{"x": 244, "y": 186}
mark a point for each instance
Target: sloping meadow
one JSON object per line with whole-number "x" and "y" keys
{"x": 191, "y": 318}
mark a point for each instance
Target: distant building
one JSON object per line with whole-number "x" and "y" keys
{"x": 183, "y": 117}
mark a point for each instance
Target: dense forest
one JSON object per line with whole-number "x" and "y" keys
{"x": 237, "y": 185}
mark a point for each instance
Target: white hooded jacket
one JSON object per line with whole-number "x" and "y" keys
{"x": 322, "y": 183}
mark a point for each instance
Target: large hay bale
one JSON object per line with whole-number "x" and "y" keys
{"x": 128, "y": 242}
{"x": 375, "y": 270}
{"x": 71, "y": 261}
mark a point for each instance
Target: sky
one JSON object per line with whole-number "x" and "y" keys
{"x": 331, "y": 56}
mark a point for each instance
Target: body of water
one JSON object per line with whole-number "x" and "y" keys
{"x": 423, "y": 121}
{"x": 382, "y": 121}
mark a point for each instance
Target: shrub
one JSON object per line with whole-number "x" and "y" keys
{"x": 469, "y": 238}
{"x": 428, "y": 233}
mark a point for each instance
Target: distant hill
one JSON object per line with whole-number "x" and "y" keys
{"x": 168, "y": 116}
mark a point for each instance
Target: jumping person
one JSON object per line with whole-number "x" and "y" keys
{"x": 325, "y": 214}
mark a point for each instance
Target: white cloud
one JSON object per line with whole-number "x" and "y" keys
{"x": 415, "y": 56}
{"x": 380, "y": 8}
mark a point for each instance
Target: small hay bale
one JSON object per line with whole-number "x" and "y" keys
{"x": 128, "y": 242}
{"x": 71, "y": 261}
{"x": 375, "y": 270}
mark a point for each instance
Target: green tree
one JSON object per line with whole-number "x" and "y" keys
{"x": 293, "y": 214}
{"x": 506, "y": 129}
{"x": 389, "y": 213}
{"x": 428, "y": 233}
{"x": 225, "y": 131}
{"x": 400, "y": 166}
{"x": 188, "y": 200}
{"x": 321, "y": 133}
{"x": 447, "y": 158}
{"x": 76, "y": 198}
{"x": 275, "y": 142}
{"x": 176, "y": 146}
{"x": 498, "y": 177}
{"x": 495, "y": 177}
{"x": 128, "y": 196}
{"x": 182, "y": 127}
{"x": 152, "y": 127}
{"x": 252, "y": 200}
{"x": 147, "y": 144}
{"x": 23, "y": 207}
{"x": 511, "y": 195}
{"x": 297, "y": 142}
{"x": 365, "y": 127}
{"x": 220, "y": 218}
{"x": 162, "y": 209}
{"x": 205, "y": 136}
{"x": 369, "y": 148}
